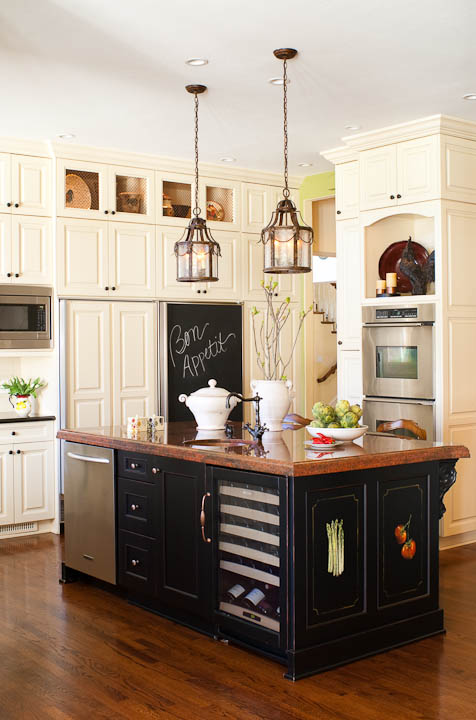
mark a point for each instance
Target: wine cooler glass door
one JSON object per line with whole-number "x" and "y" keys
{"x": 249, "y": 553}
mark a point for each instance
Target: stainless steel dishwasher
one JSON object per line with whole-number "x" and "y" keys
{"x": 89, "y": 510}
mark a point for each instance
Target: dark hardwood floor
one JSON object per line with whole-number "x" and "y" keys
{"x": 77, "y": 652}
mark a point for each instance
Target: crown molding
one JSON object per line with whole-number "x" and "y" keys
{"x": 431, "y": 125}
{"x": 71, "y": 151}
{"x": 340, "y": 155}
{"x": 22, "y": 146}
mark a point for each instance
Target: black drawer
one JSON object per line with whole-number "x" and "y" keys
{"x": 135, "y": 465}
{"x": 137, "y": 506}
{"x": 138, "y": 563}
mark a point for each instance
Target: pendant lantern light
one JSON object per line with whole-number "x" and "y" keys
{"x": 197, "y": 252}
{"x": 287, "y": 240}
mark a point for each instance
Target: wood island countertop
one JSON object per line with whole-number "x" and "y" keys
{"x": 285, "y": 452}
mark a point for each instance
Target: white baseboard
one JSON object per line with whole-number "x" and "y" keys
{"x": 452, "y": 541}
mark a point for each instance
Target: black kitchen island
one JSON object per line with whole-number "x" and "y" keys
{"x": 311, "y": 559}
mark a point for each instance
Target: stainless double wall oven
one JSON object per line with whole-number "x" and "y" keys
{"x": 398, "y": 365}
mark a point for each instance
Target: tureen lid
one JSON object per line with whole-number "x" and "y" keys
{"x": 211, "y": 391}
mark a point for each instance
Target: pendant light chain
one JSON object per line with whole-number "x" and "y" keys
{"x": 196, "y": 209}
{"x": 285, "y": 127}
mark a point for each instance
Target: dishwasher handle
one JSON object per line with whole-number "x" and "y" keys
{"x": 88, "y": 459}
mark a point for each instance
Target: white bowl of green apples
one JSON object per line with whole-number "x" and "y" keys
{"x": 340, "y": 422}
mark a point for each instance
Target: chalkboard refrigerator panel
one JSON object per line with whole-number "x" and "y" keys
{"x": 199, "y": 342}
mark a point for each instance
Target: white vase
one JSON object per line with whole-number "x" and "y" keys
{"x": 276, "y": 399}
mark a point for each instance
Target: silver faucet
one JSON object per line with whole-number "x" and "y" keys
{"x": 258, "y": 430}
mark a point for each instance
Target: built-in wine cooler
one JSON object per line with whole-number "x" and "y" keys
{"x": 249, "y": 552}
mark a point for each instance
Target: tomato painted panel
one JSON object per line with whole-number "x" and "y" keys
{"x": 403, "y": 540}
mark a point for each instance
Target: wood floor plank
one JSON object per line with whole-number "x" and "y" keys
{"x": 76, "y": 651}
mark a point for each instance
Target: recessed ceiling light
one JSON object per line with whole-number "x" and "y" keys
{"x": 228, "y": 159}
{"x": 305, "y": 164}
{"x": 66, "y": 136}
{"x": 277, "y": 81}
{"x": 352, "y": 127}
{"x": 196, "y": 62}
{"x": 469, "y": 96}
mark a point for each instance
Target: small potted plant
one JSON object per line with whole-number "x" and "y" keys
{"x": 20, "y": 391}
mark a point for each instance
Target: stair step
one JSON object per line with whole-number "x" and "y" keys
{"x": 327, "y": 322}
{"x": 333, "y": 332}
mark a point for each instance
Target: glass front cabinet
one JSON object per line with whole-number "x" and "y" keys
{"x": 92, "y": 190}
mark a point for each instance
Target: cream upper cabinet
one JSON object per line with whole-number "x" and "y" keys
{"x": 132, "y": 266}
{"x": 257, "y": 204}
{"x": 349, "y": 318}
{"x": 82, "y": 258}
{"x": 7, "y": 508}
{"x": 32, "y": 261}
{"x": 417, "y": 170}
{"x": 31, "y": 185}
{"x": 175, "y": 198}
{"x": 6, "y": 263}
{"x": 220, "y": 201}
{"x": 101, "y": 259}
{"x": 459, "y": 170}
{"x": 347, "y": 190}
{"x": 25, "y": 185}
{"x": 82, "y": 189}
{"x": 26, "y": 250}
{"x": 167, "y": 284}
{"x": 34, "y": 491}
{"x": 253, "y": 273}
{"x": 88, "y": 363}
{"x": 400, "y": 173}
{"x": 229, "y": 283}
{"x": 5, "y": 183}
{"x": 378, "y": 177}
{"x": 134, "y": 337}
{"x": 349, "y": 376}
{"x": 131, "y": 194}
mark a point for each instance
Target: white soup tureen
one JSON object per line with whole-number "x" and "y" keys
{"x": 208, "y": 406}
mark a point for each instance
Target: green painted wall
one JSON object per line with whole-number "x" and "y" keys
{"x": 315, "y": 186}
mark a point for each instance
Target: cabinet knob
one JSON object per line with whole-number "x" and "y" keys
{"x": 17, "y": 274}
{"x": 106, "y": 212}
{"x": 113, "y": 212}
{"x": 135, "y": 507}
{"x": 18, "y": 452}
{"x": 392, "y": 197}
{"x": 10, "y": 452}
{"x": 339, "y": 342}
{"x": 113, "y": 287}
{"x": 199, "y": 291}
{"x": 275, "y": 294}
{"x": 134, "y": 563}
{"x": 13, "y": 432}
{"x": 16, "y": 205}
{"x": 107, "y": 287}
{"x": 133, "y": 466}
{"x": 398, "y": 196}
{"x": 9, "y": 204}
{"x": 9, "y": 274}
{"x": 155, "y": 471}
{"x": 339, "y": 212}
{"x": 204, "y": 292}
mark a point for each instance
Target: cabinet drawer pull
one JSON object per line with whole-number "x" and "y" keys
{"x": 134, "y": 563}
{"x": 10, "y": 452}
{"x": 18, "y": 452}
{"x": 155, "y": 470}
{"x": 17, "y": 204}
{"x": 13, "y": 432}
{"x": 392, "y": 197}
{"x": 339, "y": 212}
{"x": 135, "y": 507}
{"x": 134, "y": 466}
{"x": 203, "y": 519}
{"x": 9, "y": 204}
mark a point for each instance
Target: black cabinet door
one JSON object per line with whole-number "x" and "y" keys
{"x": 185, "y": 557}
{"x": 137, "y": 560}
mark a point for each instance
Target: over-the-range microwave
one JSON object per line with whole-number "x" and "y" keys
{"x": 26, "y": 317}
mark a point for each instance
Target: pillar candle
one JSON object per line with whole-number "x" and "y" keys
{"x": 391, "y": 280}
{"x": 381, "y": 285}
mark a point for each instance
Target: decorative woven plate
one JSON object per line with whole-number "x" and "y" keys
{"x": 77, "y": 193}
{"x": 215, "y": 211}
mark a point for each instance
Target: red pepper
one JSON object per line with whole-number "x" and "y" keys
{"x": 323, "y": 440}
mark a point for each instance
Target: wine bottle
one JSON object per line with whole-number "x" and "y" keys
{"x": 267, "y": 608}
{"x": 253, "y": 598}
{"x": 234, "y": 592}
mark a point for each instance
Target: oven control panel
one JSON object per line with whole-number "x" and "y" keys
{"x": 396, "y": 313}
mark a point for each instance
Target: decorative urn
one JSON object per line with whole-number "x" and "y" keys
{"x": 208, "y": 406}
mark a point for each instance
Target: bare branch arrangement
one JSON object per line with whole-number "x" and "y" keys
{"x": 267, "y": 329}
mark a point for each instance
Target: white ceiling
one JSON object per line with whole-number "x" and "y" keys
{"x": 112, "y": 72}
